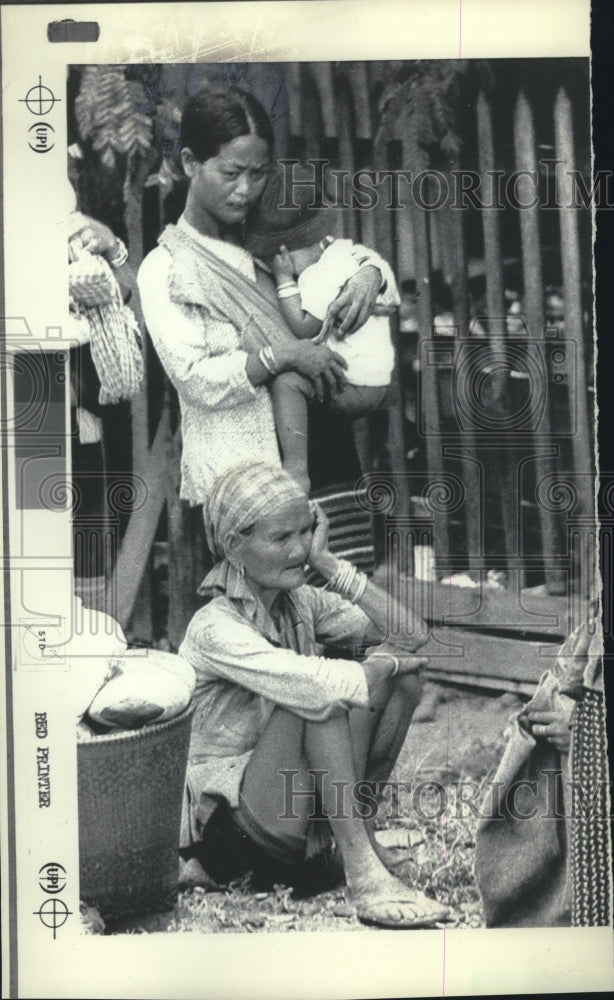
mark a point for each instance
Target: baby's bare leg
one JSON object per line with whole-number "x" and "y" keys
{"x": 290, "y": 393}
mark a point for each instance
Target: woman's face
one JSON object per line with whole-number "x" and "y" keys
{"x": 274, "y": 553}
{"x": 225, "y": 187}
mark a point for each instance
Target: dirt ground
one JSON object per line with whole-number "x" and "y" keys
{"x": 454, "y": 743}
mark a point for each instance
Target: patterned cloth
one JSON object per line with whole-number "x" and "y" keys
{"x": 225, "y": 292}
{"x": 244, "y": 494}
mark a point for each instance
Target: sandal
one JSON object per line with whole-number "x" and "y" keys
{"x": 414, "y": 909}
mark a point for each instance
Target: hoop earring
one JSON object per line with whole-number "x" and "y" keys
{"x": 241, "y": 571}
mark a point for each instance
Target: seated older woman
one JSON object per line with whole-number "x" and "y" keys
{"x": 283, "y": 735}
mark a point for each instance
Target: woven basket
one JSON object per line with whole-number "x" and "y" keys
{"x": 130, "y": 798}
{"x": 91, "y": 281}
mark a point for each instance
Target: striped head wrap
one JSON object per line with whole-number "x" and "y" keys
{"x": 241, "y": 496}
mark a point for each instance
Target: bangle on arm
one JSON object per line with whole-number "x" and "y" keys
{"x": 287, "y": 289}
{"x": 119, "y": 255}
{"x": 348, "y": 582}
{"x": 268, "y": 360}
{"x": 361, "y": 586}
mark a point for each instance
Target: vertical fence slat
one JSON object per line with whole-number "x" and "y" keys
{"x": 351, "y": 225}
{"x": 405, "y": 243}
{"x": 493, "y": 260}
{"x": 294, "y": 89}
{"x": 390, "y": 154}
{"x": 439, "y": 251}
{"x": 323, "y": 79}
{"x": 474, "y": 495}
{"x": 526, "y": 160}
{"x": 582, "y": 445}
{"x": 142, "y": 621}
{"x": 313, "y": 134}
{"x": 495, "y": 308}
{"x": 428, "y": 376}
{"x": 359, "y": 83}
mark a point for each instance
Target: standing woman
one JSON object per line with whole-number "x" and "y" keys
{"x": 211, "y": 308}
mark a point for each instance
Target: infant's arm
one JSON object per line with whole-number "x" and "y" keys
{"x": 302, "y": 324}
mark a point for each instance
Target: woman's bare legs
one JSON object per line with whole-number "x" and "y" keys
{"x": 378, "y": 734}
{"x": 285, "y": 804}
{"x": 282, "y": 769}
{"x": 379, "y": 731}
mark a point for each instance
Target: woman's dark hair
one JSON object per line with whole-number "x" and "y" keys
{"x": 218, "y": 115}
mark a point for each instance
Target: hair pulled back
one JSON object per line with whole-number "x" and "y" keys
{"x": 217, "y": 115}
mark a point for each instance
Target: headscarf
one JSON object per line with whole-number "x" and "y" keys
{"x": 244, "y": 494}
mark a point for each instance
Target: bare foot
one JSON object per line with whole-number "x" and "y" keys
{"x": 387, "y": 902}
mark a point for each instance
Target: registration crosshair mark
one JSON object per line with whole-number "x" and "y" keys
{"x": 53, "y": 913}
{"x": 39, "y": 99}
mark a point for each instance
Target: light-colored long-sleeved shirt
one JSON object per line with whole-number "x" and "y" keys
{"x": 225, "y": 420}
{"x": 246, "y": 664}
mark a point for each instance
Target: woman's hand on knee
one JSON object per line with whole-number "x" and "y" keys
{"x": 406, "y": 658}
{"x": 381, "y": 666}
{"x": 403, "y": 662}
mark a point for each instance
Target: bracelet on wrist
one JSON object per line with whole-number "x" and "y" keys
{"x": 361, "y": 585}
{"x": 268, "y": 360}
{"x": 287, "y": 290}
{"x": 119, "y": 255}
{"x": 348, "y": 582}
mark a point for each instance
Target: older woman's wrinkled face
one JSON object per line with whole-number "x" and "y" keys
{"x": 228, "y": 185}
{"x": 275, "y": 551}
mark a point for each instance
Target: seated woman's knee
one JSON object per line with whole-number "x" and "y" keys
{"x": 410, "y": 685}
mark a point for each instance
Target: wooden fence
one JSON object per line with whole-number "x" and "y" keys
{"x": 490, "y": 448}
